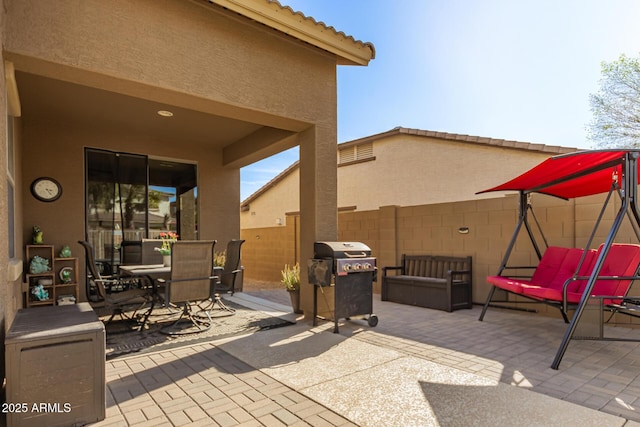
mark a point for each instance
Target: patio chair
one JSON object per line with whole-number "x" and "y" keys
{"x": 224, "y": 281}
{"x": 118, "y": 302}
{"x": 130, "y": 252}
{"x": 190, "y": 283}
{"x": 149, "y": 253}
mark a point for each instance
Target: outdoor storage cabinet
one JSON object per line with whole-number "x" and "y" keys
{"x": 438, "y": 282}
{"x": 55, "y": 363}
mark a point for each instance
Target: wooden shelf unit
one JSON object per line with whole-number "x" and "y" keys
{"x": 57, "y": 287}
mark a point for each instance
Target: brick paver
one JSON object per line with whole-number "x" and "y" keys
{"x": 218, "y": 390}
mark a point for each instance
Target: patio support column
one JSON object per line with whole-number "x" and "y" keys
{"x": 318, "y": 199}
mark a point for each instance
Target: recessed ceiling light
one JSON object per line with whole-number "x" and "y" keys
{"x": 165, "y": 113}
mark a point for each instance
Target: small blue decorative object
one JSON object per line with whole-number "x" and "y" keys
{"x": 40, "y": 293}
{"x": 39, "y": 265}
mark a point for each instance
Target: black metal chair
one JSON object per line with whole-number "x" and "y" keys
{"x": 226, "y": 276}
{"x": 190, "y": 283}
{"x": 224, "y": 280}
{"x": 130, "y": 252}
{"x": 119, "y": 303}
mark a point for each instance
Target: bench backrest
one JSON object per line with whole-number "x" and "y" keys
{"x": 560, "y": 264}
{"x": 433, "y": 266}
{"x": 622, "y": 260}
{"x": 570, "y": 265}
{"x": 549, "y": 265}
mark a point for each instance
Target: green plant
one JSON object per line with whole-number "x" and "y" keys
{"x": 168, "y": 238}
{"x": 291, "y": 277}
{"x": 219, "y": 258}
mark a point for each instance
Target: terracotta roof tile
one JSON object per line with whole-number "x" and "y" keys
{"x": 551, "y": 149}
{"x": 326, "y": 27}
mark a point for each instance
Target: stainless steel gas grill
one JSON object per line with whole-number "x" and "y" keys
{"x": 351, "y": 270}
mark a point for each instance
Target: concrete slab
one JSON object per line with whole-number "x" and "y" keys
{"x": 373, "y": 385}
{"x": 301, "y": 357}
{"x": 415, "y": 392}
{"x": 269, "y": 307}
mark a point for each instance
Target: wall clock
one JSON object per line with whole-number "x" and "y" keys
{"x": 46, "y": 189}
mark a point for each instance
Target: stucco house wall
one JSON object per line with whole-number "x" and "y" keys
{"x": 156, "y": 60}
{"x": 283, "y": 197}
{"x": 412, "y": 169}
{"x": 187, "y": 55}
{"x": 245, "y": 80}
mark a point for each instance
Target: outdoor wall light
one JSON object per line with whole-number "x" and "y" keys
{"x": 463, "y": 230}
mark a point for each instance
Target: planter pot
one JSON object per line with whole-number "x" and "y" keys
{"x": 295, "y": 301}
{"x": 166, "y": 260}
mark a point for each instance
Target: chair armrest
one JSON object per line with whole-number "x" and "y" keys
{"x": 385, "y": 269}
{"x": 453, "y": 273}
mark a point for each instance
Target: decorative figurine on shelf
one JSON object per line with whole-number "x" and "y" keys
{"x": 40, "y": 293}
{"x": 37, "y": 235}
{"x": 65, "y": 275}
{"x": 39, "y": 265}
{"x": 65, "y": 252}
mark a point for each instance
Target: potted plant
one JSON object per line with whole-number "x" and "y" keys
{"x": 291, "y": 282}
{"x": 168, "y": 239}
{"x": 219, "y": 259}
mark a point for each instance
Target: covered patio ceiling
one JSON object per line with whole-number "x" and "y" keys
{"x": 49, "y": 99}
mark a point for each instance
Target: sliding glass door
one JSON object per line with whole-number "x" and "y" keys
{"x": 130, "y": 197}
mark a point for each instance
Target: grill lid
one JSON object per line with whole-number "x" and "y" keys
{"x": 340, "y": 250}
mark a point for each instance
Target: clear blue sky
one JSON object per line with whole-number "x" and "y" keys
{"x": 511, "y": 69}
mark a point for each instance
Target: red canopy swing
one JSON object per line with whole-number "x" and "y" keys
{"x": 569, "y": 176}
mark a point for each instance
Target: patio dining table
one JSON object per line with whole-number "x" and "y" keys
{"x": 149, "y": 272}
{"x": 153, "y": 271}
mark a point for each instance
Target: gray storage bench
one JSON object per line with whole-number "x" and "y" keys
{"x": 439, "y": 282}
{"x": 55, "y": 364}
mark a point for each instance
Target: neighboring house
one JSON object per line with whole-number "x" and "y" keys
{"x": 403, "y": 167}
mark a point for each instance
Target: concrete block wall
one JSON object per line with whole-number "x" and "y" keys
{"x": 266, "y": 251}
{"x": 391, "y": 231}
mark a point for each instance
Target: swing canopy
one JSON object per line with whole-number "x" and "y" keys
{"x": 567, "y": 176}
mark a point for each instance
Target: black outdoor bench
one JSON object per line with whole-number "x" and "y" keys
{"x": 438, "y": 282}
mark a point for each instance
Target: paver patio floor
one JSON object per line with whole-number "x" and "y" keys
{"x": 417, "y": 367}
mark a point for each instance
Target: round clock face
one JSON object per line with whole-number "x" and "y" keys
{"x": 46, "y": 189}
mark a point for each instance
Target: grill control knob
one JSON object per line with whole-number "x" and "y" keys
{"x": 357, "y": 266}
{"x": 346, "y": 267}
{"x": 367, "y": 266}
